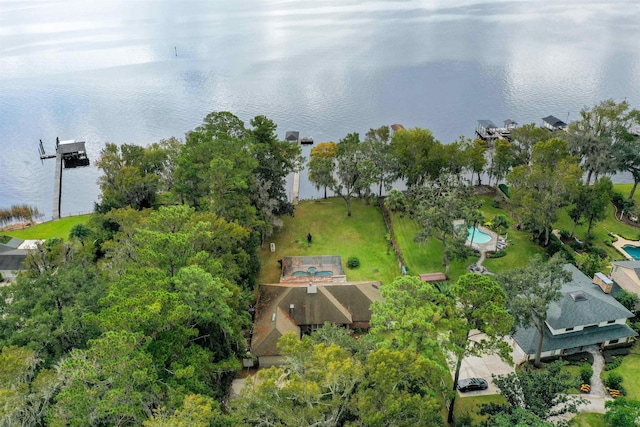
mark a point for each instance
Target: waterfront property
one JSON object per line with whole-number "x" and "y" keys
{"x": 553, "y": 123}
{"x": 12, "y": 256}
{"x": 626, "y": 274}
{"x": 585, "y": 315}
{"x": 632, "y": 250}
{"x": 304, "y": 300}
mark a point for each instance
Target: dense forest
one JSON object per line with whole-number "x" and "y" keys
{"x": 141, "y": 316}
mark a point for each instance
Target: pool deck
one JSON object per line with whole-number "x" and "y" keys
{"x": 490, "y": 246}
{"x": 618, "y": 244}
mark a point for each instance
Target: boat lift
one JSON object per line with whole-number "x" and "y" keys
{"x": 69, "y": 154}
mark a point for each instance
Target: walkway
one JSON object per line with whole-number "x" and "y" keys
{"x": 598, "y": 394}
{"x": 618, "y": 244}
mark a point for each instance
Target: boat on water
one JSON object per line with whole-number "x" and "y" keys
{"x": 306, "y": 140}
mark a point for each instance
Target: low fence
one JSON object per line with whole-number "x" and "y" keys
{"x": 396, "y": 248}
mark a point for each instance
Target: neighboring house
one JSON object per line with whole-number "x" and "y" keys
{"x": 553, "y": 123}
{"x": 585, "y": 315}
{"x": 292, "y": 136}
{"x": 12, "y": 256}
{"x": 626, "y": 274}
{"x": 303, "y": 304}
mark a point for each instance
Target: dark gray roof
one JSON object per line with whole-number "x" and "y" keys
{"x": 554, "y": 121}
{"x": 292, "y": 135}
{"x": 487, "y": 124}
{"x": 69, "y": 147}
{"x": 12, "y": 260}
{"x": 595, "y": 307}
{"x": 510, "y": 122}
{"x": 13, "y": 243}
{"x": 528, "y": 338}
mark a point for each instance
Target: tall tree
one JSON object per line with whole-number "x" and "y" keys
{"x": 413, "y": 315}
{"x": 436, "y": 205}
{"x": 322, "y": 165}
{"x": 591, "y": 203}
{"x": 355, "y": 172}
{"x": 627, "y": 155}
{"x": 416, "y": 155}
{"x": 523, "y": 139}
{"x": 622, "y": 412}
{"x": 481, "y": 307}
{"x": 502, "y": 159}
{"x": 113, "y": 382}
{"x": 540, "y": 189}
{"x": 540, "y": 391}
{"x": 46, "y": 309}
{"x": 600, "y": 129}
{"x": 275, "y": 160}
{"x": 476, "y": 153}
{"x": 377, "y": 148}
{"x": 530, "y": 290}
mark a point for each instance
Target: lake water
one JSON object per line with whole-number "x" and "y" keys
{"x": 138, "y": 71}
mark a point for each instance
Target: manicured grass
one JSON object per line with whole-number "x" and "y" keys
{"x": 471, "y": 405}
{"x": 630, "y": 372}
{"x": 588, "y": 419}
{"x": 50, "y": 229}
{"x": 421, "y": 258}
{"x": 601, "y": 229}
{"x": 334, "y": 233}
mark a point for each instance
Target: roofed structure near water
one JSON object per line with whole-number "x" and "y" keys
{"x": 553, "y": 123}
{"x": 292, "y": 136}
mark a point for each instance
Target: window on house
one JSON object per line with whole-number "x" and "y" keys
{"x": 613, "y": 341}
{"x": 569, "y": 329}
{"x": 610, "y": 322}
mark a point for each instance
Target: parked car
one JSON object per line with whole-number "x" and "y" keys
{"x": 472, "y": 384}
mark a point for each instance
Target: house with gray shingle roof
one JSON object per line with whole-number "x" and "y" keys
{"x": 626, "y": 274}
{"x": 303, "y": 303}
{"x": 12, "y": 256}
{"x": 585, "y": 315}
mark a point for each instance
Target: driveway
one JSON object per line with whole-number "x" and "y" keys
{"x": 483, "y": 367}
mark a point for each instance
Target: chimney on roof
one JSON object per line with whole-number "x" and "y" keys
{"x": 604, "y": 282}
{"x": 291, "y": 307}
{"x": 312, "y": 289}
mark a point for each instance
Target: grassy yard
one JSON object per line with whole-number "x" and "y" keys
{"x": 588, "y": 419}
{"x": 334, "y": 233}
{"x": 48, "y": 230}
{"x": 471, "y": 405}
{"x": 427, "y": 258}
{"x": 630, "y": 372}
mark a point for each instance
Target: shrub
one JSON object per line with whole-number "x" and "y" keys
{"x": 613, "y": 380}
{"x": 498, "y": 254}
{"x": 586, "y": 372}
{"x": 628, "y": 299}
{"x": 353, "y": 262}
{"x": 575, "y": 245}
{"x": 564, "y": 234}
{"x": 495, "y": 203}
{"x": 608, "y": 243}
{"x": 499, "y": 222}
{"x": 613, "y": 365}
{"x": 614, "y": 353}
{"x": 555, "y": 245}
{"x": 395, "y": 200}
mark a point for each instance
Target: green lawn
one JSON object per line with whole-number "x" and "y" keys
{"x": 601, "y": 229}
{"x": 630, "y": 372}
{"x": 588, "y": 419}
{"x": 471, "y": 405}
{"x": 48, "y": 230}
{"x": 421, "y": 258}
{"x": 334, "y": 233}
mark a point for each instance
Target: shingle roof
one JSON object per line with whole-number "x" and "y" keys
{"x": 12, "y": 260}
{"x": 528, "y": 338}
{"x": 487, "y": 124}
{"x": 292, "y": 135}
{"x": 596, "y": 307}
{"x": 554, "y": 121}
{"x": 340, "y": 303}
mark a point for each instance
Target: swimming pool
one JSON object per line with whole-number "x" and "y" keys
{"x": 312, "y": 273}
{"x": 633, "y": 251}
{"x": 479, "y": 237}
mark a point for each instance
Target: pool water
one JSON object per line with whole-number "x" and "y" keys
{"x": 478, "y": 237}
{"x": 308, "y": 273}
{"x": 633, "y": 251}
